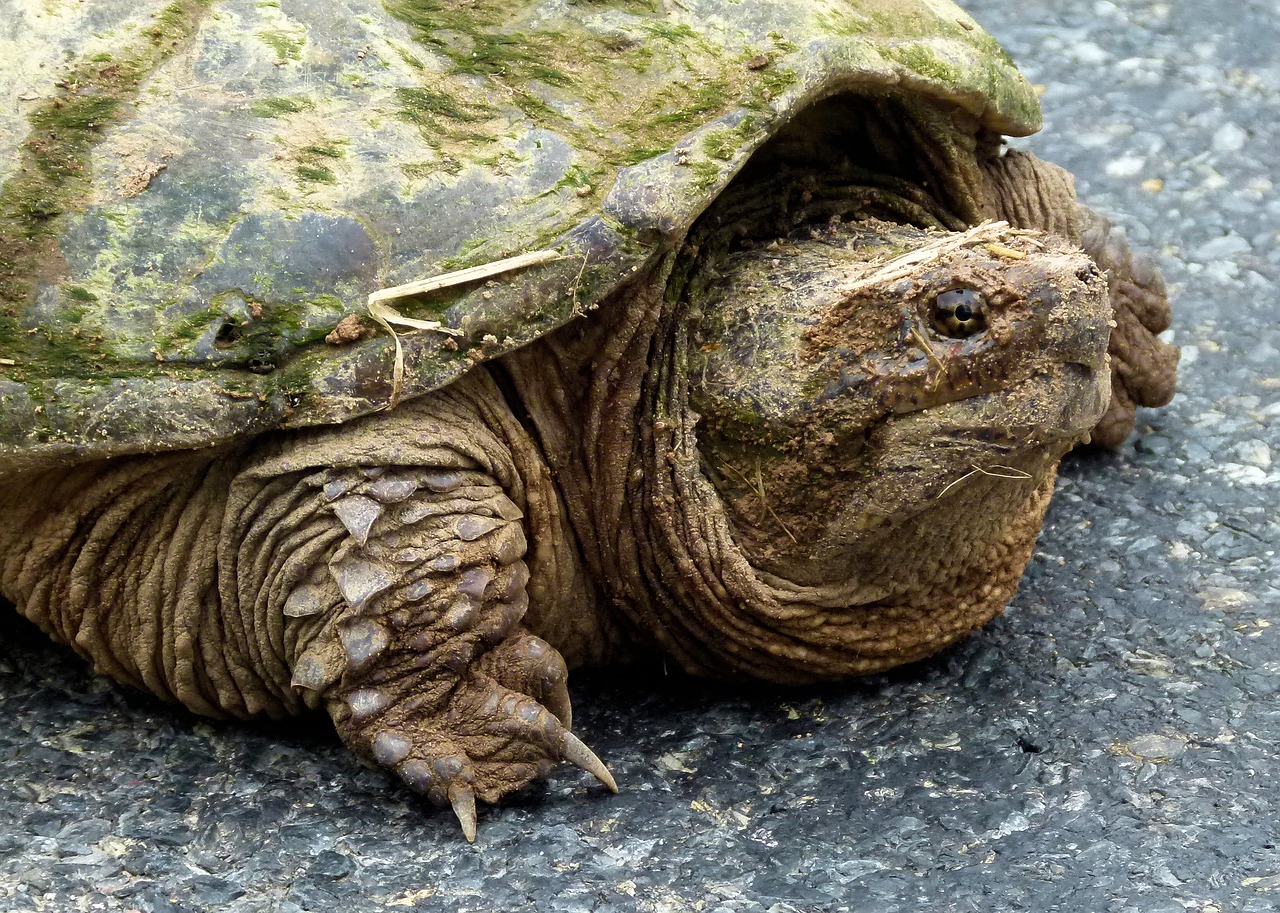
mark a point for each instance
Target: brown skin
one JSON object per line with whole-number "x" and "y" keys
{"x": 1029, "y": 193}
{"x": 428, "y": 574}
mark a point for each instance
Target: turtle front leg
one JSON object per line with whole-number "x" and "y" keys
{"x": 410, "y": 635}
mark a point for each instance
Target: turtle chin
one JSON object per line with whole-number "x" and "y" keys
{"x": 927, "y": 538}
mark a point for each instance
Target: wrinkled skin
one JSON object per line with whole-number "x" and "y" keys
{"x": 783, "y": 455}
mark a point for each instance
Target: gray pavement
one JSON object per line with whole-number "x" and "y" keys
{"x": 1108, "y": 745}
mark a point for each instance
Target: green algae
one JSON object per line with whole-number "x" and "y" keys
{"x": 279, "y": 106}
{"x": 287, "y": 45}
{"x": 431, "y": 112}
{"x": 485, "y": 40}
{"x": 52, "y": 176}
{"x": 926, "y": 62}
{"x": 334, "y": 151}
{"x": 316, "y": 174}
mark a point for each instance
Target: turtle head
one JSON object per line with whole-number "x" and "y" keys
{"x": 881, "y": 410}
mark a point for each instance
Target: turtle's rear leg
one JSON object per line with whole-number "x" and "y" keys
{"x": 410, "y": 635}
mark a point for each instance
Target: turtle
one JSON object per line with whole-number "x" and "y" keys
{"x": 388, "y": 361}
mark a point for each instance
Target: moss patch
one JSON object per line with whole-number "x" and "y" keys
{"x": 316, "y": 174}
{"x": 287, "y": 45}
{"x": 280, "y": 105}
{"x": 924, "y": 61}
{"x": 487, "y": 39}
{"x": 76, "y": 293}
{"x": 498, "y": 55}
{"x": 438, "y": 113}
{"x": 316, "y": 162}
{"x": 52, "y": 176}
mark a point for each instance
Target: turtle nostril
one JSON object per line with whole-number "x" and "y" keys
{"x": 228, "y": 334}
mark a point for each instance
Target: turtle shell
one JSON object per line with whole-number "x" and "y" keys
{"x": 197, "y": 193}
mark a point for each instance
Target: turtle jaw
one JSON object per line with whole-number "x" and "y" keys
{"x": 932, "y": 541}
{"x": 940, "y": 487}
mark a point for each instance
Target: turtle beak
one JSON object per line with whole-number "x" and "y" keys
{"x": 1073, "y": 328}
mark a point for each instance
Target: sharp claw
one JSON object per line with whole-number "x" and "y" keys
{"x": 463, "y": 801}
{"x": 558, "y": 703}
{"x": 575, "y": 752}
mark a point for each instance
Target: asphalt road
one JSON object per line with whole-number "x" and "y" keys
{"x": 1108, "y": 745}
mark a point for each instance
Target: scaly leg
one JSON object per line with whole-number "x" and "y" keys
{"x": 411, "y": 636}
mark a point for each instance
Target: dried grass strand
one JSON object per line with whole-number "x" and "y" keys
{"x": 386, "y": 315}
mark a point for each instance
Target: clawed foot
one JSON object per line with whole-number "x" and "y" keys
{"x": 423, "y": 661}
{"x": 489, "y": 741}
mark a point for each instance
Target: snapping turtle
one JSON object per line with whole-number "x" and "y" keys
{"x": 780, "y": 393}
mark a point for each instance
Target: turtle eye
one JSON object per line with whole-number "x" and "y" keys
{"x": 959, "y": 313}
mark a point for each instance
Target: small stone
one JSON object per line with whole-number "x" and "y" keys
{"x": 211, "y": 891}
{"x": 1087, "y": 52}
{"x": 1255, "y": 453}
{"x": 331, "y": 865}
{"x": 1127, "y": 166}
{"x": 348, "y": 330}
{"x": 1225, "y": 599}
{"x": 1229, "y": 139}
{"x": 1156, "y": 747}
{"x": 1222, "y": 248}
